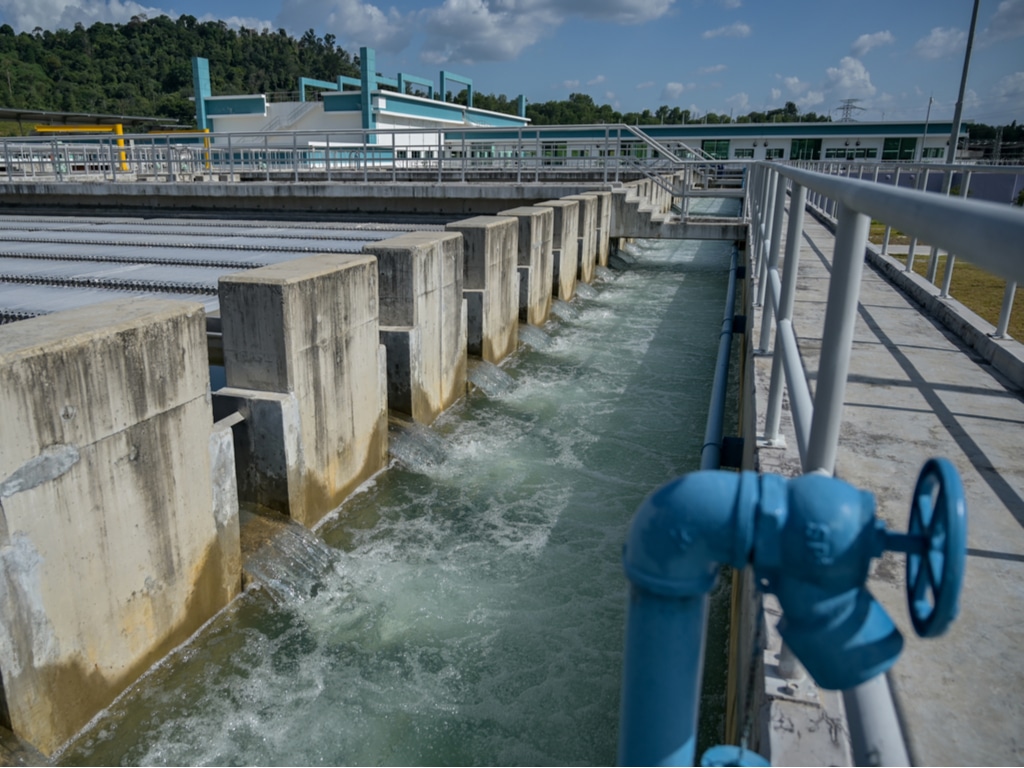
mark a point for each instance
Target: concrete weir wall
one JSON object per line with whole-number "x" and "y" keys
{"x": 112, "y": 551}
{"x": 422, "y": 321}
{"x": 120, "y": 475}
{"x": 565, "y": 246}
{"x": 586, "y": 240}
{"x": 305, "y": 369}
{"x": 491, "y": 286}
{"x": 536, "y": 265}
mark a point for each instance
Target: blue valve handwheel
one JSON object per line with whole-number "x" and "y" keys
{"x": 938, "y": 515}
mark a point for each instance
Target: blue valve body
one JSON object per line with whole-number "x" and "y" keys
{"x": 810, "y": 541}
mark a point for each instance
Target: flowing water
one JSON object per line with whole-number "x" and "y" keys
{"x": 466, "y": 607}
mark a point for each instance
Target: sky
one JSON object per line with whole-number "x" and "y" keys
{"x": 724, "y": 56}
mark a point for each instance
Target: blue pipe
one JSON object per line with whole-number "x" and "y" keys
{"x": 711, "y": 452}
{"x": 678, "y": 539}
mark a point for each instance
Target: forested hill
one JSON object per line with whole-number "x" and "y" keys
{"x": 144, "y": 67}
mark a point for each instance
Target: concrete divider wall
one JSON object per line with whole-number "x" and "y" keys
{"x": 536, "y": 262}
{"x": 422, "y": 321}
{"x": 111, "y": 549}
{"x": 604, "y": 223}
{"x": 304, "y": 366}
{"x": 565, "y": 246}
{"x": 586, "y": 236}
{"x": 491, "y": 285}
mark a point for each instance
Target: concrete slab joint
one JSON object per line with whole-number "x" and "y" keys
{"x": 106, "y": 469}
{"x": 302, "y": 337}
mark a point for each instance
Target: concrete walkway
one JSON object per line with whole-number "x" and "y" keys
{"x": 915, "y": 392}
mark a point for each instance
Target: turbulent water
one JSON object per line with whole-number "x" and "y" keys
{"x": 469, "y": 603}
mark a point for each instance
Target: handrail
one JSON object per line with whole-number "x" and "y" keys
{"x": 977, "y": 231}
{"x": 981, "y": 232}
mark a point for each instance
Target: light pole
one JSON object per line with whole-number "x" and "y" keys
{"x": 955, "y": 135}
{"x": 924, "y": 136}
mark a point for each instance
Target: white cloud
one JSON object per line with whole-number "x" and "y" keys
{"x": 865, "y": 43}
{"x": 776, "y": 94}
{"x": 499, "y": 30}
{"x": 26, "y": 15}
{"x": 795, "y": 85}
{"x": 617, "y": 11}
{"x": 1007, "y": 22}
{"x": 570, "y": 85}
{"x": 645, "y": 84}
{"x": 353, "y": 22}
{"x": 739, "y": 29}
{"x": 740, "y": 102}
{"x": 941, "y": 42}
{"x": 1010, "y": 90}
{"x": 237, "y": 22}
{"x": 850, "y": 80}
{"x": 730, "y": 4}
{"x": 672, "y": 91}
{"x": 712, "y": 69}
{"x": 597, "y": 80}
{"x": 813, "y": 98}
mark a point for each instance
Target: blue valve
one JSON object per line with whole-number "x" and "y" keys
{"x": 936, "y": 547}
{"x": 810, "y": 541}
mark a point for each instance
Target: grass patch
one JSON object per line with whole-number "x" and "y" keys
{"x": 978, "y": 290}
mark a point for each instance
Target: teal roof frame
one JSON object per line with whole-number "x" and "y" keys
{"x": 201, "y": 89}
{"x": 405, "y": 79}
{"x": 446, "y": 76}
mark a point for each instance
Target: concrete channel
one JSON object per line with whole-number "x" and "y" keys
{"x": 391, "y": 322}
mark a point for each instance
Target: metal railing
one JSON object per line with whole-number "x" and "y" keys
{"x": 986, "y": 234}
{"x": 608, "y": 153}
{"x": 948, "y": 180}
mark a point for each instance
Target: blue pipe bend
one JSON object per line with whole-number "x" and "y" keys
{"x": 687, "y": 529}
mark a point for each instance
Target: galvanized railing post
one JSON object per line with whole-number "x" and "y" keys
{"x": 837, "y": 337}
{"x": 922, "y": 185}
{"x": 1004, "y": 312}
{"x": 784, "y": 310}
{"x": 769, "y": 224}
{"x": 773, "y": 261}
{"x": 947, "y": 276}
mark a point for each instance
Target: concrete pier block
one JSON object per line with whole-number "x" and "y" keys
{"x": 587, "y": 235}
{"x": 421, "y": 321}
{"x": 302, "y": 336}
{"x": 604, "y": 223}
{"x": 491, "y": 285}
{"x": 536, "y": 262}
{"x": 111, "y": 551}
{"x": 565, "y": 246}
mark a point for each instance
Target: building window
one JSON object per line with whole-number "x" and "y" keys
{"x": 805, "y": 149}
{"x": 774, "y": 153}
{"x": 899, "y": 149}
{"x": 934, "y": 152}
{"x": 716, "y": 148}
{"x": 744, "y": 153}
